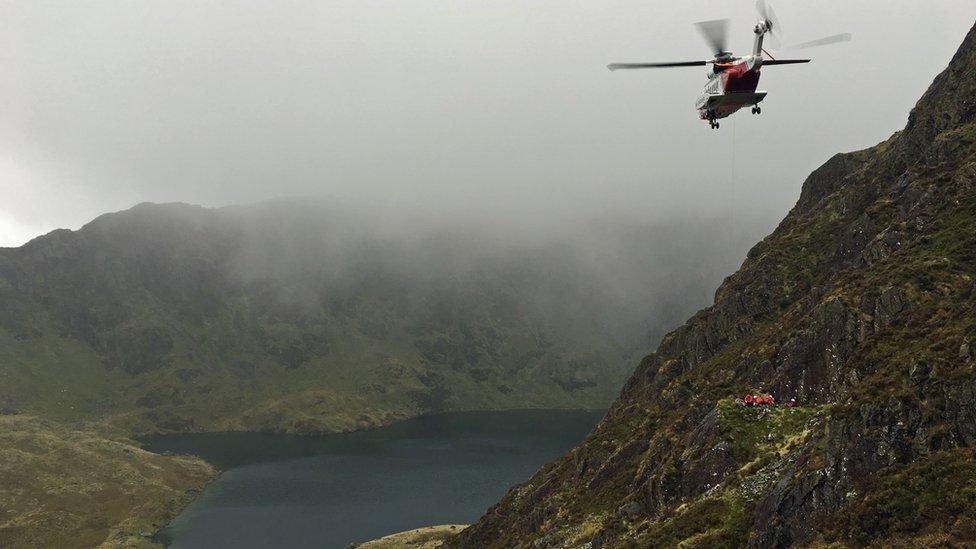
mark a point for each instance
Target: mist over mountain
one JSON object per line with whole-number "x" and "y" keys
{"x": 301, "y": 315}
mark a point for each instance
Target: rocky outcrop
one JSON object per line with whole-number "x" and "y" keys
{"x": 860, "y": 306}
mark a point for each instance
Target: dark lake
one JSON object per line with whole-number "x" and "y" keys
{"x": 330, "y": 491}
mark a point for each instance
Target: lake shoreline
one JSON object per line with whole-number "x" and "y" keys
{"x": 156, "y": 537}
{"x": 425, "y": 537}
{"x": 149, "y": 434}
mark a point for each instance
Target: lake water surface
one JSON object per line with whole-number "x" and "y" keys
{"x": 330, "y": 491}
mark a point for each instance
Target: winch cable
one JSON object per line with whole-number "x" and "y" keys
{"x": 732, "y": 189}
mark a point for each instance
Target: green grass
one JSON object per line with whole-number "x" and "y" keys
{"x": 760, "y": 432}
{"x": 64, "y": 487}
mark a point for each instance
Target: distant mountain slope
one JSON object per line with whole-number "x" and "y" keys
{"x": 301, "y": 316}
{"x": 862, "y": 307}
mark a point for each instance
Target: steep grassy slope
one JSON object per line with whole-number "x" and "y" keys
{"x": 861, "y": 307}
{"x": 299, "y": 316}
{"x": 62, "y": 487}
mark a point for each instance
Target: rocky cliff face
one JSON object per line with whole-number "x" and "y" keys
{"x": 861, "y": 307}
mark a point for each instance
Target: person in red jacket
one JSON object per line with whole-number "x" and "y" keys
{"x": 749, "y": 399}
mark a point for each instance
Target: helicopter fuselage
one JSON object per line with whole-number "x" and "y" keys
{"x": 731, "y": 86}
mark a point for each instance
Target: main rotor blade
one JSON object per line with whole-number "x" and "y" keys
{"x": 617, "y": 66}
{"x": 715, "y": 32}
{"x": 835, "y": 39}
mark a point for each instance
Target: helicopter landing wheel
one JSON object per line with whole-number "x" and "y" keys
{"x": 757, "y": 110}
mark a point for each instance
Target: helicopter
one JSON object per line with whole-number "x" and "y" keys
{"x": 732, "y": 80}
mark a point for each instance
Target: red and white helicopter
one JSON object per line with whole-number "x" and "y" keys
{"x": 732, "y": 80}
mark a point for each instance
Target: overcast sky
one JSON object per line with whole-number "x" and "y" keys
{"x": 502, "y": 106}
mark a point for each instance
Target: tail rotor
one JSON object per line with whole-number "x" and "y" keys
{"x": 775, "y": 31}
{"x": 772, "y": 23}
